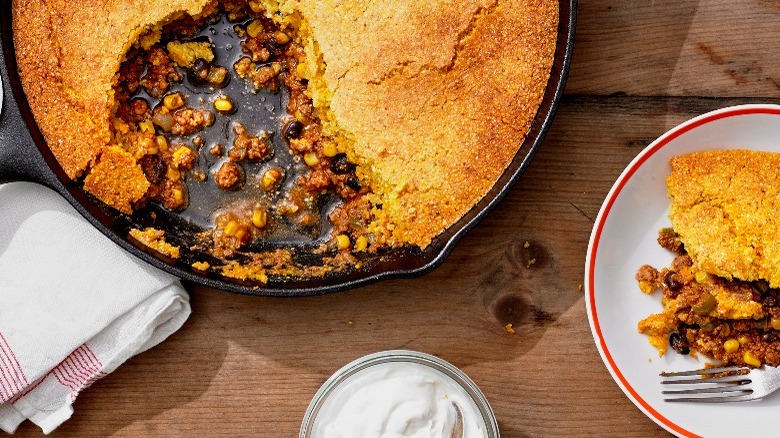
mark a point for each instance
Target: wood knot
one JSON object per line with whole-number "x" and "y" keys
{"x": 511, "y": 309}
{"x": 516, "y": 310}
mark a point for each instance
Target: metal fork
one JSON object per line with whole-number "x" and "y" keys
{"x": 736, "y": 384}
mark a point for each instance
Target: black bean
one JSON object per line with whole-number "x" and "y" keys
{"x": 200, "y": 66}
{"x": 679, "y": 343}
{"x": 273, "y": 47}
{"x": 341, "y": 166}
{"x": 672, "y": 281}
{"x": 154, "y": 168}
{"x": 292, "y": 130}
{"x": 771, "y": 301}
{"x": 353, "y": 183}
{"x": 769, "y": 337}
{"x": 199, "y": 72}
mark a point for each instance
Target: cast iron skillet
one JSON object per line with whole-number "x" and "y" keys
{"x": 24, "y": 156}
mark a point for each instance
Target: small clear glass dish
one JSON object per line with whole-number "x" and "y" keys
{"x": 477, "y": 408}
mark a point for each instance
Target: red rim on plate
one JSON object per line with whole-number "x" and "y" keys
{"x": 590, "y": 262}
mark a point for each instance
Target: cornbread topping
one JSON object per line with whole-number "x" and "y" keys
{"x": 720, "y": 295}
{"x": 388, "y": 121}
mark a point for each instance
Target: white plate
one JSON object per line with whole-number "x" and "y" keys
{"x": 624, "y": 238}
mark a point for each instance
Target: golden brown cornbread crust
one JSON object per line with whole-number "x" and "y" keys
{"x": 724, "y": 206}
{"x": 432, "y": 100}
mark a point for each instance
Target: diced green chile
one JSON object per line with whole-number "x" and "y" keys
{"x": 706, "y": 305}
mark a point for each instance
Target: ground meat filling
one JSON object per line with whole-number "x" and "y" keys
{"x": 250, "y": 147}
{"x": 735, "y": 322}
{"x": 157, "y": 126}
{"x": 160, "y": 72}
{"x": 229, "y": 176}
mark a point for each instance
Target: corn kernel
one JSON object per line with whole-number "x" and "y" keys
{"x": 311, "y": 159}
{"x": 242, "y": 233}
{"x": 703, "y": 277}
{"x": 731, "y": 345}
{"x": 751, "y": 359}
{"x": 277, "y": 67}
{"x": 231, "y": 228}
{"x": 172, "y": 174}
{"x": 146, "y": 126}
{"x": 173, "y": 101}
{"x": 120, "y": 126}
{"x": 281, "y": 37}
{"x": 254, "y": 28}
{"x": 301, "y": 70}
{"x": 177, "y": 154}
{"x": 329, "y": 150}
{"x": 270, "y": 178}
{"x": 775, "y": 323}
{"x": 223, "y": 104}
{"x": 259, "y": 218}
{"x": 342, "y": 241}
{"x": 256, "y": 6}
{"x": 361, "y": 243}
{"x": 162, "y": 143}
{"x": 177, "y": 194}
{"x": 742, "y": 339}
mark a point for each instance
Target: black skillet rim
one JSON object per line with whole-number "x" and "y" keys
{"x": 429, "y": 259}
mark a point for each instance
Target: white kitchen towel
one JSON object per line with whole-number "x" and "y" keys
{"x": 73, "y": 306}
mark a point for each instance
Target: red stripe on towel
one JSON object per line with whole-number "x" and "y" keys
{"x": 63, "y": 378}
{"x": 7, "y": 376}
{"x": 6, "y": 379}
{"x": 79, "y": 370}
{"x": 85, "y": 371}
{"x": 81, "y": 356}
{"x": 12, "y": 377}
{"x": 78, "y": 358}
{"x": 94, "y": 358}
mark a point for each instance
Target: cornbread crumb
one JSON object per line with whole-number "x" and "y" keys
{"x": 186, "y": 53}
{"x": 245, "y": 272}
{"x": 155, "y": 239}
{"x": 201, "y": 266}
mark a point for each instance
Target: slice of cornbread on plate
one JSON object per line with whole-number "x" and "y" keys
{"x": 725, "y": 207}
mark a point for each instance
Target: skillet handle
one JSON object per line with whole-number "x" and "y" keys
{"x": 20, "y": 158}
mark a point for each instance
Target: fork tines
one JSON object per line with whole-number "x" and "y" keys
{"x": 731, "y": 383}
{"x": 706, "y": 371}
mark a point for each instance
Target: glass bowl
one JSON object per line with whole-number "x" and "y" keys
{"x": 335, "y": 392}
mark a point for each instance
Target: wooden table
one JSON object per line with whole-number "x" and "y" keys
{"x": 245, "y": 365}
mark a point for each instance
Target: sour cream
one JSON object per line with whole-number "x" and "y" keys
{"x": 396, "y": 399}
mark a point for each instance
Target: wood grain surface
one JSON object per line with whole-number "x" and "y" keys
{"x": 244, "y": 365}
